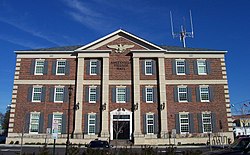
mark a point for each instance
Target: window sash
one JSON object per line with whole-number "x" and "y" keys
{"x": 206, "y": 123}
{"x": 60, "y": 69}
{"x": 204, "y": 94}
{"x": 92, "y": 95}
{"x": 37, "y": 94}
{"x": 59, "y": 94}
{"x": 180, "y": 67}
{"x": 148, "y": 67}
{"x": 34, "y": 122}
{"x": 150, "y": 123}
{"x": 182, "y": 94}
{"x": 91, "y": 123}
{"x": 201, "y": 67}
{"x": 93, "y": 67}
{"x": 184, "y": 123}
{"x": 149, "y": 95}
{"x": 120, "y": 95}
{"x": 39, "y": 67}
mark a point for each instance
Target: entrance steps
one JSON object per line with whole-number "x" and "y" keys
{"x": 120, "y": 142}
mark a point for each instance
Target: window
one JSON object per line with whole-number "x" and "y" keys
{"x": 93, "y": 67}
{"x": 148, "y": 67}
{"x": 149, "y": 95}
{"x": 37, "y": 94}
{"x": 34, "y": 122}
{"x": 121, "y": 95}
{"x": 60, "y": 69}
{"x": 206, "y": 122}
{"x": 92, "y": 94}
{"x": 201, "y": 65}
{"x": 58, "y": 118}
{"x": 182, "y": 94}
{"x": 184, "y": 123}
{"x": 91, "y": 123}
{"x": 180, "y": 67}
{"x": 59, "y": 94}
{"x": 150, "y": 123}
{"x": 204, "y": 94}
{"x": 39, "y": 67}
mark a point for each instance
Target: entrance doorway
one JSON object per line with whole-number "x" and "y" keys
{"x": 120, "y": 124}
{"x": 121, "y": 129}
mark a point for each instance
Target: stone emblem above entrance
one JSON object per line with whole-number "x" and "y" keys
{"x": 119, "y": 48}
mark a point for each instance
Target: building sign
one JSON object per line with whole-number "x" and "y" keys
{"x": 120, "y": 65}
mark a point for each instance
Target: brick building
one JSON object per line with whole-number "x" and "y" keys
{"x": 125, "y": 88}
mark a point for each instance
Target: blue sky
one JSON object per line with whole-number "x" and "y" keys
{"x": 218, "y": 24}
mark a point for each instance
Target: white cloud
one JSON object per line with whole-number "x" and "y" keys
{"x": 20, "y": 24}
{"x": 82, "y": 13}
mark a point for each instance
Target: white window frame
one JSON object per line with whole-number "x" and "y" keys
{"x": 40, "y": 93}
{"x": 203, "y": 92}
{"x": 55, "y": 92}
{"x": 181, "y": 87}
{"x": 186, "y": 124}
{"x": 59, "y": 121}
{"x": 34, "y": 121}
{"x": 39, "y": 65}
{"x": 57, "y": 66}
{"x": 120, "y": 93}
{"x": 149, "y": 66}
{"x": 149, "y": 93}
{"x": 204, "y": 65}
{"x": 178, "y": 65}
{"x": 92, "y": 93}
{"x": 150, "y": 124}
{"x": 93, "y": 66}
{"x": 206, "y": 123}
{"x": 91, "y": 124}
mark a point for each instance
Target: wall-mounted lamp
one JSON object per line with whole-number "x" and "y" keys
{"x": 162, "y": 106}
{"x": 103, "y": 106}
{"x": 135, "y": 106}
{"x": 76, "y": 106}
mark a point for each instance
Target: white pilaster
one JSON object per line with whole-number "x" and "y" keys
{"x": 79, "y": 95}
{"x": 105, "y": 97}
{"x": 137, "y": 113}
{"x": 163, "y": 101}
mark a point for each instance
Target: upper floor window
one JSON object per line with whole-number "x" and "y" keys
{"x": 184, "y": 123}
{"x": 93, "y": 67}
{"x": 204, "y": 94}
{"x": 206, "y": 122}
{"x": 39, "y": 67}
{"x": 148, "y": 67}
{"x": 61, "y": 67}
{"x": 182, "y": 94}
{"x": 201, "y": 65}
{"x": 150, "y": 123}
{"x": 57, "y": 118}
{"x": 59, "y": 94}
{"x": 37, "y": 94}
{"x": 120, "y": 94}
{"x": 34, "y": 122}
{"x": 180, "y": 67}
{"x": 91, "y": 123}
{"x": 92, "y": 94}
{"x": 149, "y": 94}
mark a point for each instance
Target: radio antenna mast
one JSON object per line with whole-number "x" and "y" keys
{"x": 183, "y": 34}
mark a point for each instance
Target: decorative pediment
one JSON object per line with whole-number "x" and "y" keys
{"x": 110, "y": 42}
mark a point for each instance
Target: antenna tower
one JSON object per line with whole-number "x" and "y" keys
{"x": 183, "y": 34}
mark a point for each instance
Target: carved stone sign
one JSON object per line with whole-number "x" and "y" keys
{"x": 120, "y": 65}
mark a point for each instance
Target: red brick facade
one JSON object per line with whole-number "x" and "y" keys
{"x": 121, "y": 69}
